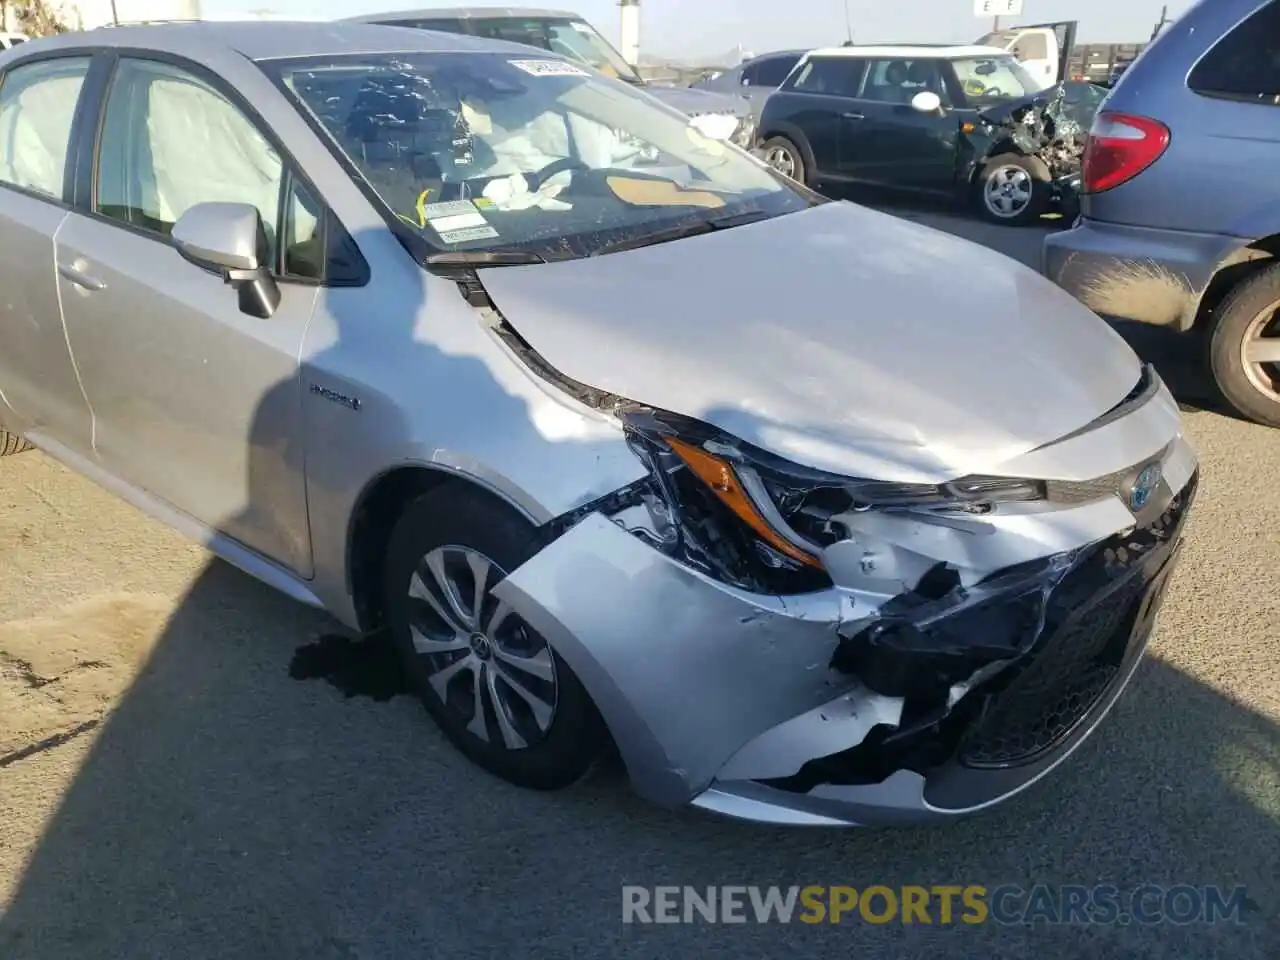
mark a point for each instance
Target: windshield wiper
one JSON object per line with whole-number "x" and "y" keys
{"x": 462, "y": 264}
{"x": 483, "y": 258}
{"x": 693, "y": 229}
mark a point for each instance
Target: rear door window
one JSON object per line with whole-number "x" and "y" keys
{"x": 771, "y": 72}
{"x": 833, "y": 76}
{"x": 1245, "y": 64}
{"x": 37, "y": 105}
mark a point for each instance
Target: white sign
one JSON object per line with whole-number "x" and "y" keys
{"x": 997, "y": 8}
{"x": 549, "y": 68}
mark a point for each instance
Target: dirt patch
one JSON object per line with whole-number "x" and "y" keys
{"x": 59, "y": 675}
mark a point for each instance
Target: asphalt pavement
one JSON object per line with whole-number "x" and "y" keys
{"x": 192, "y": 767}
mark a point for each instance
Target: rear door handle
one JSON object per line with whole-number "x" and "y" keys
{"x": 77, "y": 276}
{"x": 853, "y": 116}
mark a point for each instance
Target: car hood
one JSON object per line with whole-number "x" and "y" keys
{"x": 695, "y": 102}
{"x": 838, "y": 337}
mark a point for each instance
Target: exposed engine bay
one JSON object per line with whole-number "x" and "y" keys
{"x": 1050, "y": 128}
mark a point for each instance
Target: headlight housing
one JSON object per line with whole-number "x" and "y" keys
{"x": 745, "y": 135}
{"x": 762, "y": 523}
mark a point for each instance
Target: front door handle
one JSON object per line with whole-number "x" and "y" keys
{"x": 853, "y": 116}
{"x": 79, "y": 277}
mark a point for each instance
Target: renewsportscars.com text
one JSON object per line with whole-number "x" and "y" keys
{"x": 939, "y": 904}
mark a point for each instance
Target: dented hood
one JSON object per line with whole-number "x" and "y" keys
{"x": 838, "y": 337}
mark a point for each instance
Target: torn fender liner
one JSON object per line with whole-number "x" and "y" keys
{"x": 683, "y": 670}
{"x": 920, "y": 648}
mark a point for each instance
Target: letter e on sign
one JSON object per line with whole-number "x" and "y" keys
{"x": 997, "y": 8}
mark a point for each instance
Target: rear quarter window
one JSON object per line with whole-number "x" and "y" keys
{"x": 1245, "y": 64}
{"x": 771, "y": 73}
{"x": 832, "y": 76}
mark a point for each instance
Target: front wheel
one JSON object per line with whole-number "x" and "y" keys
{"x": 1244, "y": 347}
{"x": 1012, "y": 190}
{"x": 785, "y": 157}
{"x": 11, "y": 443}
{"x": 490, "y": 681}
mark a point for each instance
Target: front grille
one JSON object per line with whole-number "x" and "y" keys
{"x": 1090, "y": 621}
{"x": 1075, "y": 492}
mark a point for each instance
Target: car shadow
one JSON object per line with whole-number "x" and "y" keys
{"x": 226, "y": 811}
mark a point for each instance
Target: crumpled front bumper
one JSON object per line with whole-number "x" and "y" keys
{"x": 806, "y": 710}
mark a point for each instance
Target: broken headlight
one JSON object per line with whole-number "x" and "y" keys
{"x": 761, "y": 522}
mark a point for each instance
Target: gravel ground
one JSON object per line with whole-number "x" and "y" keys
{"x": 206, "y": 805}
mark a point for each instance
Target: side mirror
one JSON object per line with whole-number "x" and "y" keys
{"x": 230, "y": 239}
{"x": 926, "y": 101}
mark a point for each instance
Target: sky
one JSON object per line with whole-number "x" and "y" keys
{"x": 690, "y": 28}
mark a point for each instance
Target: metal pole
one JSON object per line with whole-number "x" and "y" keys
{"x": 995, "y": 23}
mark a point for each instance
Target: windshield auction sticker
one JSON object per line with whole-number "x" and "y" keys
{"x": 549, "y": 68}
{"x": 457, "y": 221}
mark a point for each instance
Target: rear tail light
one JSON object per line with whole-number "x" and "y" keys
{"x": 1119, "y": 147}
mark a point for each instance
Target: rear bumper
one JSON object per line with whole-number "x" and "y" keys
{"x": 1136, "y": 273}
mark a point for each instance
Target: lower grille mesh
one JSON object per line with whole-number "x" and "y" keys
{"x": 1090, "y": 622}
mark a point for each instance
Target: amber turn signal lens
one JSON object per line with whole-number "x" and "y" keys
{"x": 719, "y": 476}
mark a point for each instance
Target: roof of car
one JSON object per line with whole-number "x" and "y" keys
{"x": 463, "y": 13}
{"x": 777, "y": 53}
{"x": 909, "y": 52}
{"x": 269, "y": 40}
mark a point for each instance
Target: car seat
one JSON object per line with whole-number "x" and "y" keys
{"x": 407, "y": 143}
{"x": 922, "y": 76}
{"x": 896, "y": 76}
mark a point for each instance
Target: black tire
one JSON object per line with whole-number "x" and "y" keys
{"x": 1239, "y": 311}
{"x": 782, "y": 144}
{"x": 1040, "y": 190}
{"x": 11, "y": 443}
{"x": 468, "y": 518}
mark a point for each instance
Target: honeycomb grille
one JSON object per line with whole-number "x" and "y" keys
{"x": 1089, "y": 625}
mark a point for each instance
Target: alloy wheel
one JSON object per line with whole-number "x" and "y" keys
{"x": 487, "y": 666}
{"x": 782, "y": 160}
{"x": 1260, "y": 352}
{"x": 1007, "y": 191}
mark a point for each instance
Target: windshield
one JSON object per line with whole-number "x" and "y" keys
{"x": 489, "y": 151}
{"x": 988, "y": 79}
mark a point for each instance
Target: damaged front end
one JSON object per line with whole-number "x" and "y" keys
{"x": 1051, "y": 127}
{"x": 779, "y": 643}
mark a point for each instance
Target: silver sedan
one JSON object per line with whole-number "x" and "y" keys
{"x": 624, "y": 440}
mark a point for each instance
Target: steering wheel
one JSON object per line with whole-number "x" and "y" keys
{"x": 551, "y": 169}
